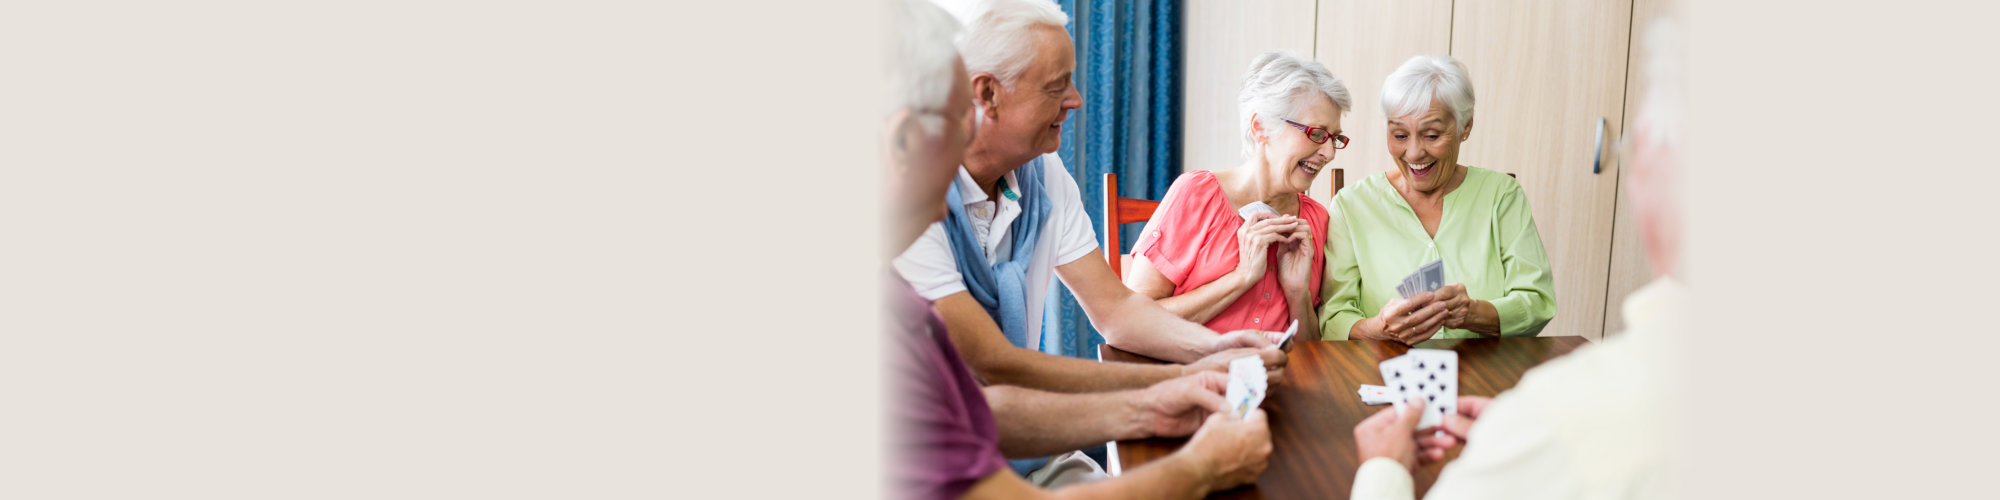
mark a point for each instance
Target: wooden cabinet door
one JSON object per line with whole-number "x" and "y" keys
{"x": 1362, "y": 41}
{"x": 1630, "y": 268}
{"x": 1546, "y": 73}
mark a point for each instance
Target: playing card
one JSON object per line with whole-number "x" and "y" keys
{"x": 1246, "y": 384}
{"x": 1428, "y": 277}
{"x": 1376, "y": 395}
{"x": 1285, "y": 342}
{"x": 1252, "y": 209}
{"x": 1434, "y": 376}
{"x": 1432, "y": 276}
{"x": 1398, "y": 379}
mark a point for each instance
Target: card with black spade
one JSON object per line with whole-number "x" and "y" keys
{"x": 1435, "y": 377}
{"x": 1397, "y": 379}
{"x": 1428, "y": 374}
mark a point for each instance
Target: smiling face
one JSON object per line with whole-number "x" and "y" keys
{"x": 1293, "y": 157}
{"x": 1027, "y": 115}
{"x": 1425, "y": 146}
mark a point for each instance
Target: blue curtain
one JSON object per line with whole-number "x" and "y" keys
{"x": 1129, "y": 70}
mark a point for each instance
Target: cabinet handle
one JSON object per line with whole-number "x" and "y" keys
{"x": 1597, "y": 160}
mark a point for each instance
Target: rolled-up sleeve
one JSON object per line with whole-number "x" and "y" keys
{"x": 1530, "y": 301}
{"x": 1341, "y": 284}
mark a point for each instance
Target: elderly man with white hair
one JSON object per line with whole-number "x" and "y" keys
{"x": 948, "y": 443}
{"x": 1432, "y": 208}
{"x": 1589, "y": 425}
{"x": 1016, "y": 222}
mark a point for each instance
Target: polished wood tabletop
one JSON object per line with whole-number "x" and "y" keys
{"x": 1314, "y": 406}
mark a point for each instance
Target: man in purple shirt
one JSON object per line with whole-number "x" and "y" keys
{"x": 948, "y": 442}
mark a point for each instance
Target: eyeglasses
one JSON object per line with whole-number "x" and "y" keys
{"x": 1319, "y": 135}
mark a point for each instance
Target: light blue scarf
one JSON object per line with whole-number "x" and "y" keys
{"x": 1002, "y": 287}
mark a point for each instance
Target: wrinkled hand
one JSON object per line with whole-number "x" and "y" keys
{"x": 1233, "y": 451}
{"x": 1175, "y": 408}
{"x": 1295, "y": 260}
{"x": 1411, "y": 320}
{"x": 1385, "y": 434}
{"x": 1255, "y": 238}
{"x": 1274, "y": 361}
{"x": 1457, "y": 305}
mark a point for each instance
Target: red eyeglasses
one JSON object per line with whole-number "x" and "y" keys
{"x": 1319, "y": 135}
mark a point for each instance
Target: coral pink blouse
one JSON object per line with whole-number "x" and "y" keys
{"x": 1191, "y": 240}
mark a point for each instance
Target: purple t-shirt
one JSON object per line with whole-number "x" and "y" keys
{"x": 946, "y": 439}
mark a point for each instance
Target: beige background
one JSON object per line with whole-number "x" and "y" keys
{"x": 1838, "y": 162}
{"x": 422, "y": 249}
{"x": 429, "y": 249}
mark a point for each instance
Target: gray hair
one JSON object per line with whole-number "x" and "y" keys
{"x": 922, "y": 53}
{"x": 999, "y": 40}
{"x": 1275, "y": 88}
{"x": 1423, "y": 79}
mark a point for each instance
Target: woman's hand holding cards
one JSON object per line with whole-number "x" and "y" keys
{"x": 1410, "y": 320}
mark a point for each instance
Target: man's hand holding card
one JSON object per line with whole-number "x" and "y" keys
{"x": 1284, "y": 339}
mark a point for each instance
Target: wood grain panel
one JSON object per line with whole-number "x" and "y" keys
{"x": 1630, "y": 268}
{"x": 1544, "y": 72}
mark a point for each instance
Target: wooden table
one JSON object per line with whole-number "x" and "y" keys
{"x": 1314, "y": 407}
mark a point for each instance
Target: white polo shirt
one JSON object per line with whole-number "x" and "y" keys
{"x": 1066, "y": 236}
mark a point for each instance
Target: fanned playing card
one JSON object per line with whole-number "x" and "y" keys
{"x": 1428, "y": 374}
{"x": 1428, "y": 277}
{"x": 1432, "y": 276}
{"x": 1246, "y": 384}
{"x": 1436, "y": 380}
{"x": 1397, "y": 381}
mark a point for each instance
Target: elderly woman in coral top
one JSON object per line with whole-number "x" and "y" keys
{"x": 1242, "y": 248}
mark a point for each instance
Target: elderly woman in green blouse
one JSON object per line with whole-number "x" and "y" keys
{"x": 1433, "y": 208}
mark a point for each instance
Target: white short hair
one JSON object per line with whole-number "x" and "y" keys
{"x": 1000, "y": 40}
{"x": 1275, "y": 90}
{"x": 1423, "y": 79}
{"x": 922, "y": 52}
